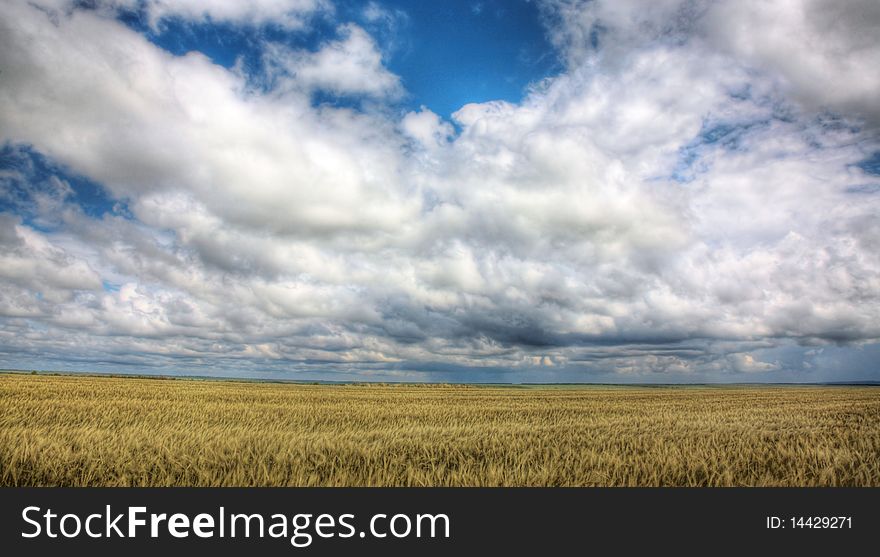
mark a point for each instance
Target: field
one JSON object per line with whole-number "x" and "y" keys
{"x": 102, "y": 431}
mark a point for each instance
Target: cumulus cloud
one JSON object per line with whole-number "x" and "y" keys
{"x": 351, "y": 65}
{"x": 822, "y": 52}
{"x": 669, "y": 205}
{"x": 426, "y": 127}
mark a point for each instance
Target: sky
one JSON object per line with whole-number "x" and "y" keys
{"x": 465, "y": 191}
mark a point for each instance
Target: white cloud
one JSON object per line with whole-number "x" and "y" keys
{"x": 427, "y": 128}
{"x": 821, "y": 51}
{"x": 36, "y": 273}
{"x": 670, "y": 205}
{"x": 351, "y": 65}
{"x": 290, "y": 14}
{"x": 825, "y": 52}
{"x": 746, "y": 363}
{"x": 377, "y": 14}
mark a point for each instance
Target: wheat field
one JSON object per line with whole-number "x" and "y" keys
{"x": 108, "y": 431}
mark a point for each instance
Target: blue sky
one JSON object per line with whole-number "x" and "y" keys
{"x": 458, "y": 52}
{"x": 447, "y": 55}
{"x": 523, "y": 191}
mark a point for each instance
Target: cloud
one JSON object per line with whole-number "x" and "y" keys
{"x": 30, "y": 262}
{"x": 286, "y": 14}
{"x": 746, "y": 363}
{"x": 387, "y": 25}
{"x": 351, "y": 65}
{"x": 183, "y": 140}
{"x": 669, "y": 206}
{"x": 427, "y": 128}
{"x": 381, "y": 16}
{"x": 822, "y": 52}
{"x": 290, "y": 14}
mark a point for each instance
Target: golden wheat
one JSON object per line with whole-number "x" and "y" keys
{"x": 102, "y": 431}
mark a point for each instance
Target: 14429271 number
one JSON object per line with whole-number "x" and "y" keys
{"x": 839, "y": 522}
{"x": 820, "y": 521}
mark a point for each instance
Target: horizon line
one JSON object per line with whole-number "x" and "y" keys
{"x": 186, "y": 377}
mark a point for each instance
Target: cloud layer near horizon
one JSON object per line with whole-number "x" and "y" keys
{"x": 689, "y": 196}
